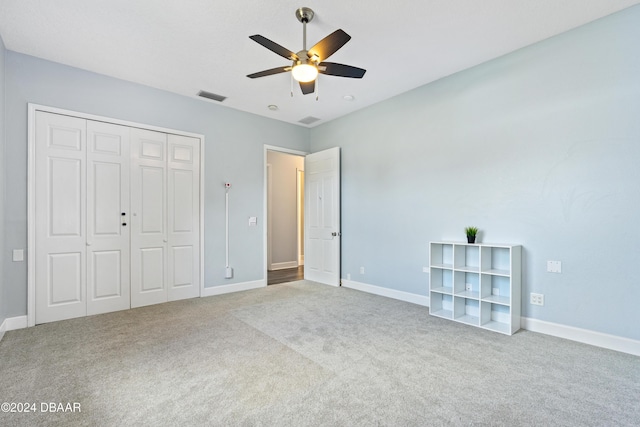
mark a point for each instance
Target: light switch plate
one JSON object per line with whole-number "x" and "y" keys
{"x": 554, "y": 266}
{"x": 18, "y": 255}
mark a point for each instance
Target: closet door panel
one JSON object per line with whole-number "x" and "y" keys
{"x": 183, "y": 217}
{"x": 60, "y": 212}
{"x": 149, "y": 217}
{"x": 108, "y": 254}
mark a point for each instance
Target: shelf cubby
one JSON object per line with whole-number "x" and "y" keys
{"x": 476, "y": 284}
{"x": 496, "y": 317}
{"x": 467, "y": 311}
{"x": 466, "y": 284}
{"x": 441, "y": 305}
{"x": 466, "y": 258}
{"x": 442, "y": 280}
{"x": 442, "y": 255}
{"x": 496, "y": 289}
{"x": 496, "y": 260}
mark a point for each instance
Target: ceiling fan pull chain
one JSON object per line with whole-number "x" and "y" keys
{"x": 291, "y": 74}
{"x": 317, "y": 88}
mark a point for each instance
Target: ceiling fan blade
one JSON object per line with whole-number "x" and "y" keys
{"x": 308, "y": 87}
{"x": 269, "y": 72}
{"x": 329, "y": 45}
{"x": 274, "y": 47}
{"x": 340, "y": 70}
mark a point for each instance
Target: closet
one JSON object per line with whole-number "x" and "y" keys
{"x": 116, "y": 215}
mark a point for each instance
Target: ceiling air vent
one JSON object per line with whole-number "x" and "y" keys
{"x": 308, "y": 120}
{"x": 210, "y": 95}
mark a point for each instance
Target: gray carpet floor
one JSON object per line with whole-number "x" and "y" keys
{"x": 301, "y": 354}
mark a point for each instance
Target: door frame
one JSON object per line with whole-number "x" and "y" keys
{"x": 300, "y": 177}
{"x": 265, "y": 214}
{"x": 31, "y": 217}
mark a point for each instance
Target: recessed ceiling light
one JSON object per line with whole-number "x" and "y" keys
{"x": 348, "y": 97}
{"x": 273, "y": 107}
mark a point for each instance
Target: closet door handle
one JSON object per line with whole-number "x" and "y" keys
{"x": 124, "y": 224}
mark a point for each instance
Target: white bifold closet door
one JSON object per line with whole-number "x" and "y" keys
{"x": 82, "y": 189}
{"x": 117, "y": 217}
{"x": 165, "y": 249}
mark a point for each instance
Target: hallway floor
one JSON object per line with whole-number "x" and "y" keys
{"x": 286, "y": 275}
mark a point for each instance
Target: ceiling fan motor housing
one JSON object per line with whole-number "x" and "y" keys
{"x": 304, "y": 14}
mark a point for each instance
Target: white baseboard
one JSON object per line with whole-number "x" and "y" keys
{"x": 18, "y": 322}
{"x": 13, "y": 323}
{"x": 235, "y": 287}
{"x": 585, "y": 336}
{"x": 283, "y": 265}
{"x": 386, "y": 292}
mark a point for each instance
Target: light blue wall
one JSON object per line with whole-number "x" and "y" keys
{"x": 3, "y": 252}
{"x": 540, "y": 147}
{"x": 233, "y": 152}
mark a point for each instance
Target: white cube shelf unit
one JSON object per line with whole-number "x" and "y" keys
{"x": 476, "y": 284}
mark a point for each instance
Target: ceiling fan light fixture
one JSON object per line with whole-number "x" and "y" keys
{"x": 304, "y": 72}
{"x": 308, "y": 63}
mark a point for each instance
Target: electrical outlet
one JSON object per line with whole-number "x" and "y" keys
{"x": 495, "y": 291}
{"x": 537, "y": 299}
{"x": 348, "y": 276}
{"x": 425, "y": 269}
{"x": 468, "y": 287}
{"x": 361, "y": 270}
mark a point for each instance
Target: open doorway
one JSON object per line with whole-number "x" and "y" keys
{"x": 285, "y": 216}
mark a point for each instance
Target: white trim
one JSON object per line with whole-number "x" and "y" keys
{"x": 300, "y": 215}
{"x": 127, "y": 123}
{"x": 283, "y": 265}
{"x": 18, "y": 322}
{"x": 31, "y": 218}
{"x": 265, "y": 262}
{"x": 386, "y": 292}
{"x": 235, "y": 287}
{"x": 202, "y": 198}
{"x": 13, "y": 323}
{"x": 269, "y": 216}
{"x": 585, "y": 336}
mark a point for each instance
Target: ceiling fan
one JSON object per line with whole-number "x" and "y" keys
{"x": 308, "y": 63}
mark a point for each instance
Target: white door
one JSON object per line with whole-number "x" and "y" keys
{"x": 183, "y": 217}
{"x": 107, "y": 217}
{"x": 60, "y": 212}
{"x": 322, "y": 217}
{"x": 148, "y": 217}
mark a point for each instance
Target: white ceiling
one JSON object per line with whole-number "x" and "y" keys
{"x": 185, "y": 46}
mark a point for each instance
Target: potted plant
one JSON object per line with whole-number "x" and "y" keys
{"x": 471, "y": 234}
